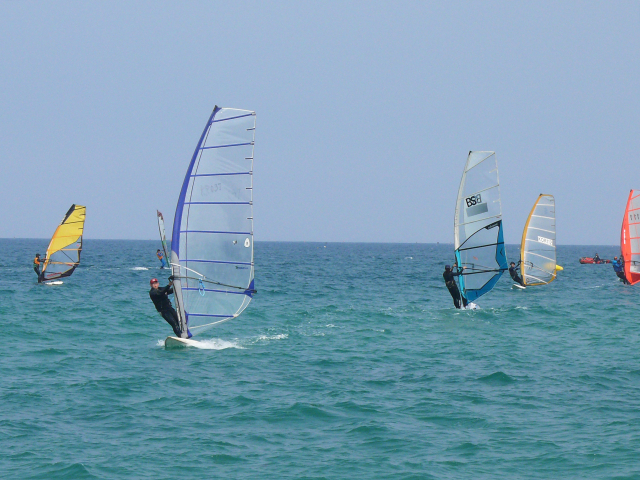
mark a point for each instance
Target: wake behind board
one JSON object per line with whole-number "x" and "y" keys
{"x": 471, "y": 306}
{"x": 515, "y": 285}
{"x": 175, "y": 342}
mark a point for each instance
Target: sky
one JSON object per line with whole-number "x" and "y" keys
{"x": 366, "y": 111}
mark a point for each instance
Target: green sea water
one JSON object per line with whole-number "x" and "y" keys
{"x": 350, "y": 363}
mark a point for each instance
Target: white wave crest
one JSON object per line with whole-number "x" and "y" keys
{"x": 139, "y": 268}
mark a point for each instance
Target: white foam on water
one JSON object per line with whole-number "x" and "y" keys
{"x": 408, "y": 258}
{"x": 274, "y": 337}
{"x": 210, "y": 344}
{"x": 216, "y": 344}
{"x": 139, "y": 268}
{"x": 58, "y": 282}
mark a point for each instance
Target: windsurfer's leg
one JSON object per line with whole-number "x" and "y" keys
{"x": 172, "y": 320}
{"x": 37, "y": 270}
{"x": 455, "y": 294}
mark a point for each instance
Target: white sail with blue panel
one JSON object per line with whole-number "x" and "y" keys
{"x": 478, "y": 237}
{"x": 212, "y": 239}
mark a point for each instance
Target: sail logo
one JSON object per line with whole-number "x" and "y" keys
{"x": 247, "y": 242}
{"x": 473, "y": 200}
{"x": 207, "y": 189}
{"x": 546, "y": 241}
{"x": 475, "y": 205}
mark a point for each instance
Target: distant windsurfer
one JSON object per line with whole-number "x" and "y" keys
{"x": 514, "y": 273}
{"x": 160, "y": 298}
{"x": 36, "y": 267}
{"x": 160, "y": 256}
{"x": 449, "y": 280}
{"x": 618, "y": 267}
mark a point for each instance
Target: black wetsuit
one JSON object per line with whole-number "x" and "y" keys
{"x": 160, "y": 298}
{"x": 450, "y": 282}
{"x": 514, "y": 275}
{"x": 36, "y": 268}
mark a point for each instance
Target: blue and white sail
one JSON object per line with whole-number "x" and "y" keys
{"x": 212, "y": 240}
{"x": 479, "y": 242}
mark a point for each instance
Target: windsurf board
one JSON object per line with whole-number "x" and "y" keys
{"x": 175, "y": 342}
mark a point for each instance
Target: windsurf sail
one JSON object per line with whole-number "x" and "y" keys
{"x": 478, "y": 237}
{"x": 630, "y": 238}
{"x": 163, "y": 237}
{"x": 63, "y": 253}
{"x": 538, "y": 247}
{"x": 212, "y": 240}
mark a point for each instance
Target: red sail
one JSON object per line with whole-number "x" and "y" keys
{"x": 630, "y": 238}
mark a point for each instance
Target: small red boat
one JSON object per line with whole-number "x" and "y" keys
{"x": 590, "y": 260}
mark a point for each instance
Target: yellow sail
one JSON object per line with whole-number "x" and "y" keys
{"x": 63, "y": 253}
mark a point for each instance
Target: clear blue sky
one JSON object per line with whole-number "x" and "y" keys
{"x": 365, "y": 112}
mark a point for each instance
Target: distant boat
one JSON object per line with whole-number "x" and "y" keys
{"x": 591, "y": 261}
{"x": 478, "y": 237}
{"x": 63, "y": 252}
{"x": 538, "y": 247}
{"x": 212, "y": 240}
{"x": 630, "y": 238}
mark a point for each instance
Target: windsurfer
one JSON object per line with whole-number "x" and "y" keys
{"x": 160, "y": 298}
{"x": 160, "y": 256}
{"x": 450, "y": 282}
{"x": 618, "y": 267}
{"x": 36, "y": 266}
{"x": 514, "y": 273}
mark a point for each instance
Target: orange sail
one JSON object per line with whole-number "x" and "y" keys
{"x": 630, "y": 238}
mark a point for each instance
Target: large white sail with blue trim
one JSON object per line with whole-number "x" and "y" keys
{"x": 478, "y": 237}
{"x": 212, "y": 240}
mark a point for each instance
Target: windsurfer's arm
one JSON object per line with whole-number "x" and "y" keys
{"x": 168, "y": 289}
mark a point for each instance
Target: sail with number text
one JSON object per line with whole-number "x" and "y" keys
{"x": 478, "y": 236}
{"x": 630, "y": 238}
{"x": 212, "y": 239}
{"x": 538, "y": 247}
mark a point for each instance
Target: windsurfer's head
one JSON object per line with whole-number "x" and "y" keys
{"x": 37, "y": 254}
{"x": 158, "y": 250}
{"x": 447, "y": 267}
{"x": 153, "y": 281}
{"x": 512, "y": 263}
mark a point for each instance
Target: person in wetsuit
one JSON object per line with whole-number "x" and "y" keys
{"x": 449, "y": 280}
{"x": 514, "y": 273}
{"x": 597, "y": 259}
{"x": 160, "y": 256}
{"x": 36, "y": 267}
{"x": 618, "y": 267}
{"x": 160, "y": 298}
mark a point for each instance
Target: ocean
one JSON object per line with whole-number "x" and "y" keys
{"x": 350, "y": 363}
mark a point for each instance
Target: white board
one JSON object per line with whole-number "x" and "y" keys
{"x": 56, "y": 282}
{"x": 175, "y": 342}
{"x": 519, "y": 286}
